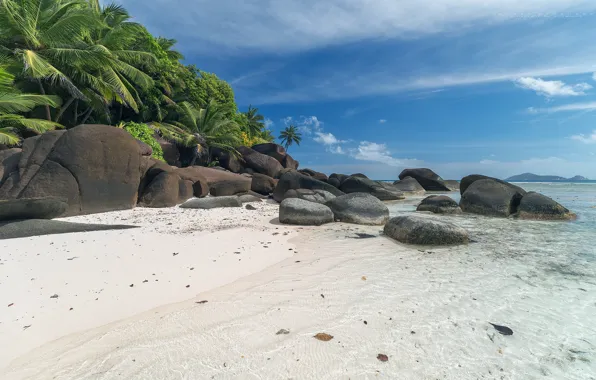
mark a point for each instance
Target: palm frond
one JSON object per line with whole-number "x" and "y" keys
{"x": 8, "y": 136}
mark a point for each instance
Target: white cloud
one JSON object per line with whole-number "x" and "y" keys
{"x": 370, "y": 151}
{"x": 305, "y": 124}
{"x": 382, "y": 121}
{"x": 588, "y": 139}
{"x": 553, "y": 87}
{"x": 327, "y": 138}
{"x": 269, "y": 123}
{"x": 489, "y": 162}
{"x": 336, "y": 149}
{"x": 587, "y": 106}
{"x": 594, "y": 76}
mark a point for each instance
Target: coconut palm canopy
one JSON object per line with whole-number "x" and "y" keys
{"x": 70, "y": 62}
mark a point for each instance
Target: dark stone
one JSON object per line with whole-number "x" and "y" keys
{"x": 409, "y": 185}
{"x": 39, "y": 227}
{"x": 272, "y": 150}
{"x": 249, "y": 198}
{"x": 365, "y": 185}
{"x": 170, "y": 151}
{"x": 359, "y": 208}
{"x": 195, "y": 175}
{"x": 317, "y": 196}
{"x": 359, "y": 175}
{"x": 470, "y": 179}
{"x": 212, "y": 202}
{"x": 296, "y": 180}
{"x": 439, "y": 204}
{"x": 250, "y": 207}
{"x": 282, "y": 172}
{"x": 340, "y": 177}
{"x": 229, "y": 161}
{"x": 223, "y": 183}
{"x": 96, "y": 167}
{"x": 334, "y": 182}
{"x": 535, "y": 206}
{"x": 32, "y": 208}
{"x": 263, "y": 184}
{"x": 162, "y": 191}
{"x": 491, "y": 198}
{"x": 249, "y": 171}
{"x": 428, "y": 179}
{"x": 316, "y": 175}
{"x": 9, "y": 162}
{"x": 144, "y": 148}
{"x": 261, "y": 163}
{"x": 414, "y": 229}
{"x": 302, "y": 212}
{"x": 290, "y": 163}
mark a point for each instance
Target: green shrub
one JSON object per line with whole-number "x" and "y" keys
{"x": 145, "y": 134}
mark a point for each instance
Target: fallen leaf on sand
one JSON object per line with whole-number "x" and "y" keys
{"x": 324, "y": 337}
{"x": 382, "y": 357}
{"x": 201, "y": 301}
{"x": 282, "y": 331}
{"x": 363, "y": 278}
{"x": 10, "y": 304}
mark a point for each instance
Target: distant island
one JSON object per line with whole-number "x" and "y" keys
{"x": 536, "y": 177}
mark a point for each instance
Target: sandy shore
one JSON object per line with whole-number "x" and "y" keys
{"x": 426, "y": 309}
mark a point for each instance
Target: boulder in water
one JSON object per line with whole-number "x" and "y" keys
{"x": 535, "y": 206}
{"x": 414, "y": 229}
{"x": 302, "y": 212}
{"x": 439, "y": 204}
{"x": 359, "y": 208}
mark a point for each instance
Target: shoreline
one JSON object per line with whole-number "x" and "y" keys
{"x": 427, "y": 309}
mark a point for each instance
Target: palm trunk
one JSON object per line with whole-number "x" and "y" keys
{"x": 87, "y": 114}
{"x": 43, "y": 92}
{"x": 63, "y": 109}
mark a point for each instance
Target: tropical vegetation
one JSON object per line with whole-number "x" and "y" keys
{"x": 290, "y": 135}
{"x": 65, "y": 63}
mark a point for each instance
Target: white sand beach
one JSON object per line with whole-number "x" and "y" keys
{"x": 426, "y": 309}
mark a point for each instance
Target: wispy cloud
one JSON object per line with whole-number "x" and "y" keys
{"x": 586, "y": 106}
{"x": 587, "y": 139}
{"x": 382, "y": 121}
{"x": 370, "y": 151}
{"x": 269, "y": 123}
{"x": 327, "y": 138}
{"x": 553, "y": 87}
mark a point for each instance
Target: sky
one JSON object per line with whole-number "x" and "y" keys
{"x": 496, "y": 87}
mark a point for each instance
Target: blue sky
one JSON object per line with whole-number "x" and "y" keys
{"x": 497, "y": 87}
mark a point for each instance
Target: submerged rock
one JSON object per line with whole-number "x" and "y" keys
{"x": 212, "y": 202}
{"x": 535, "y": 206}
{"x": 439, "y": 204}
{"x": 359, "y": 208}
{"x": 414, "y": 229}
{"x": 303, "y": 212}
{"x": 32, "y": 208}
{"x": 491, "y": 198}
{"x": 39, "y": 227}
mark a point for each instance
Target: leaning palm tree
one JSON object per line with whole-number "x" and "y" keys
{"x": 289, "y": 136}
{"x": 13, "y": 102}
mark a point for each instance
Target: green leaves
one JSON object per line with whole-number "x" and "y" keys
{"x": 289, "y": 136}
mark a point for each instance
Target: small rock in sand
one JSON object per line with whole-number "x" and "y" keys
{"x": 54, "y": 296}
{"x": 323, "y": 337}
{"x": 282, "y": 331}
{"x": 382, "y": 357}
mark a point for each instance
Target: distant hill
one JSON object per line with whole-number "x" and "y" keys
{"x": 536, "y": 177}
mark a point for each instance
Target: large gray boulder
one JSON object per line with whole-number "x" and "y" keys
{"x": 302, "y": 212}
{"x": 229, "y": 161}
{"x": 32, "y": 208}
{"x": 295, "y": 180}
{"x": 263, "y": 184}
{"x": 413, "y": 229}
{"x": 429, "y": 180}
{"x": 212, "y": 202}
{"x": 249, "y": 198}
{"x": 166, "y": 189}
{"x": 271, "y": 149}
{"x": 491, "y": 198}
{"x": 317, "y": 196}
{"x": 365, "y": 185}
{"x": 359, "y": 208}
{"x": 340, "y": 177}
{"x": 290, "y": 163}
{"x": 260, "y": 163}
{"x": 9, "y": 162}
{"x": 195, "y": 175}
{"x": 439, "y": 204}
{"x": 315, "y": 174}
{"x": 39, "y": 227}
{"x": 97, "y": 168}
{"x": 223, "y": 183}
{"x": 409, "y": 185}
{"x": 535, "y": 206}
{"x": 470, "y": 179}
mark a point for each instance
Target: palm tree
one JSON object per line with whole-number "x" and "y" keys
{"x": 12, "y": 102}
{"x": 256, "y": 121}
{"x": 289, "y": 136}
